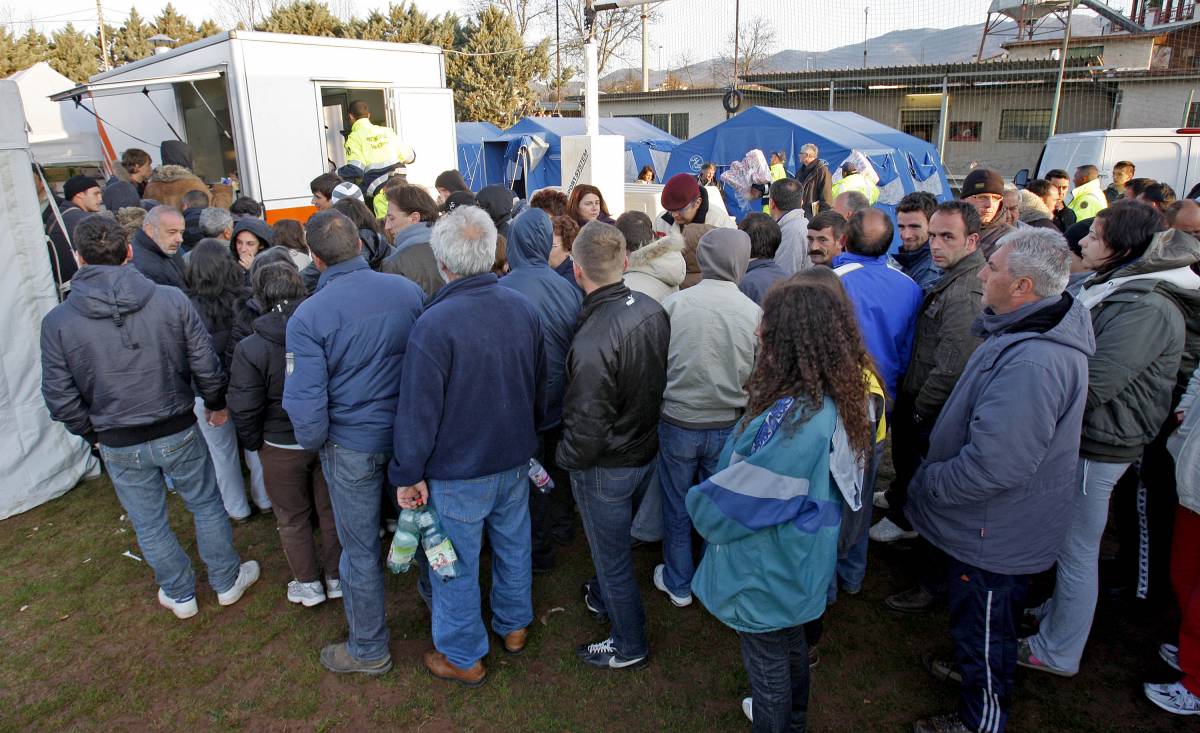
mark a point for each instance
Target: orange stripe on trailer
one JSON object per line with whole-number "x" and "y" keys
{"x": 109, "y": 153}
{"x": 299, "y": 213}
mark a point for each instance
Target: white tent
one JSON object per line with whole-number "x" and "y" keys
{"x": 39, "y": 459}
{"x": 59, "y": 132}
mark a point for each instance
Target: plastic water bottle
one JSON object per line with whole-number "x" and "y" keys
{"x": 438, "y": 549}
{"x": 540, "y": 477}
{"x": 404, "y": 542}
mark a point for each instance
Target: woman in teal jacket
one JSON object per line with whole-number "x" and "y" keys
{"x": 771, "y": 512}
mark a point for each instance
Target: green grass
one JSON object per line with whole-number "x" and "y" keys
{"x": 92, "y": 650}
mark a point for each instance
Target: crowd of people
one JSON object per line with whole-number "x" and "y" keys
{"x": 687, "y": 376}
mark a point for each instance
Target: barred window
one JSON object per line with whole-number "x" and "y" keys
{"x": 1024, "y": 124}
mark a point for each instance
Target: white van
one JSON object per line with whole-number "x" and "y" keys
{"x": 1165, "y": 154}
{"x": 269, "y": 109}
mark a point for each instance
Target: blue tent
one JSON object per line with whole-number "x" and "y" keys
{"x": 470, "y": 151}
{"x": 904, "y": 163}
{"x": 531, "y": 148}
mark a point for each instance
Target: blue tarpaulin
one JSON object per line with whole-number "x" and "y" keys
{"x": 470, "y": 151}
{"x": 904, "y": 163}
{"x": 532, "y": 147}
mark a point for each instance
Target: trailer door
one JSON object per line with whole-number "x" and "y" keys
{"x": 425, "y": 121}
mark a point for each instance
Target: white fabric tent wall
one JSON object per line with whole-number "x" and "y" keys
{"x": 59, "y": 132}
{"x": 39, "y": 459}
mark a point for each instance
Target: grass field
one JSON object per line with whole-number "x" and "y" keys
{"x": 86, "y": 647}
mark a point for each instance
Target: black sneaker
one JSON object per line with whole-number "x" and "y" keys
{"x": 600, "y": 616}
{"x": 913, "y": 600}
{"x": 941, "y": 670}
{"x": 604, "y": 654}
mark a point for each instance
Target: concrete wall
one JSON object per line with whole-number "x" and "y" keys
{"x": 1155, "y": 104}
{"x": 1122, "y": 53}
{"x": 703, "y": 112}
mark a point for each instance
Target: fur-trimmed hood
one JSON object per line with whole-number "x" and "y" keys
{"x": 170, "y": 174}
{"x": 661, "y": 260}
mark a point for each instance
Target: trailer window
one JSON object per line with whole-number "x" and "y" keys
{"x": 204, "y": 107}
{"x": 335, "y": 103}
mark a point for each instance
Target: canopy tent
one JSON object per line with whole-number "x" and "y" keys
{"x": 39, "y": 459}
{"x": 59, "y": 132}
{"x": 529, "y": 153}
{"x": 470, "y": 151}
{"x": 904, "y": 163}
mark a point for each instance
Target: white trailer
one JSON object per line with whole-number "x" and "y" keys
{"x": 269, "y": 109}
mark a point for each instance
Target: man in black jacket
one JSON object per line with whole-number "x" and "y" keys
{"x": 82, "y": 196}
{"x": 815, "y": 181}
{"x": 156, "y": 247}
{"x": 118, "y": 361}
{"x": 616, "y": 374}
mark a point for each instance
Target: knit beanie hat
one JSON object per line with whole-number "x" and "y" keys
{"x": 345, "y": 190}
{"x": 76, "y": 185}
{"x": 982, "y": 180}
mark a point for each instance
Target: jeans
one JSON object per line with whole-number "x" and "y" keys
{"x": 685, "y": 458}
{"x": 1066, "y": 618}
{"x": 258, "y": 484}
{"x": 777, "y": 665}
{"x": 648, "y": 511}
{"x": 139, "y": 474}
{"x": 223, "y": 447}
{"x": 984, "y": 609}
{"x": 605, "y": 500}
{"x": 499, "y": 504}
{"x": 298, "y": 491}
{"x": 355, "y": 482}
{"x": 854, "y": 538}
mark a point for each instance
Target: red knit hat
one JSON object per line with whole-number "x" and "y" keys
{"x": 681, "y": 190}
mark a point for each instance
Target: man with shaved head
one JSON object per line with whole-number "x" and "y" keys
{"x": 1184, "y": 215}
{"x": 156, "y": 247}
{"x": 1087, "y": 199}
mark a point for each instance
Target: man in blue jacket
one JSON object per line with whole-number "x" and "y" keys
{"x": 345, "y": 347}
{"x": 530, "y": 239}
{"x": 471, "y": 405}
{"x": 998, "y": 478}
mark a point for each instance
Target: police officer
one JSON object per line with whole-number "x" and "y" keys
{"x": 852, "y": 180}
{"x": 1088, "y": 198}
{"x": 377, "y": 151}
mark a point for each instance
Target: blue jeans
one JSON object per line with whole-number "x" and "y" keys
{"x": 355, "y": 482}
{"x": 777, "y": 665}
{"x": 605, "y": 500}
{"x": 498, "y": 503}
{"x": 139, "y": 475}
{"x": 685, "y": 458}
{"x": 852, "y": 560}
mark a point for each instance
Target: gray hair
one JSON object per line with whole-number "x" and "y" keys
{"x": 808, "y": 148}
{"x": 1042, "y": 256}
{"x": 215, "y": 221}
{"x": 855, "y": 201}
{"x": 158, "y": 213}
{"x": 464, "y": 241}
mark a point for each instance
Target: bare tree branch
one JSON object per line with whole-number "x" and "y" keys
{"x": 756, "y": 43}
{"x": 527, "y": 14}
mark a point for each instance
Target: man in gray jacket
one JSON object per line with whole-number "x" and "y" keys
{"x": 787, "y": 208}
{"x": 713, "y": 345}
{"x": 999, "y": 475}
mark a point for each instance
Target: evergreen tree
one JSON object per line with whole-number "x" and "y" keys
{"x": 405, "y": 23}
{"x": 304, "y": 18}
{"x": 496, "y": 87}
{"x": 132, "y": 41}
{"x": 173, "y": 23}
{"x": 8, "y": 49}
{"x": 74, "y": 54}
{"x": 28, "y": 50}
{"x": 208, "y": 28}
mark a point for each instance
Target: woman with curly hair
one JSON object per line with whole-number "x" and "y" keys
{"x": 771, "y": 513}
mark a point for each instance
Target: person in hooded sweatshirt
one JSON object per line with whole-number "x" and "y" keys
{"x": 250, "y": 237}
{"x": 711, "y": 356}
{"x": 171, "y": 180}
{"x": 193, "y": 204}
{"x": 557, "y": 303}
{"x": 410, "y": 219}
{"x": 119, "y": 359}
{"x": 497, "y": 201}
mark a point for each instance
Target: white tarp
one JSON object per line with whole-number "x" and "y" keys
{"x": 59, "y": 132}
{"x": 39, "y": 459}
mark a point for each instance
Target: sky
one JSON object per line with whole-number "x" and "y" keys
{"x": 685, "y": 29}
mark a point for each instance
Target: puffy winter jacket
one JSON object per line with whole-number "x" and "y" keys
{"x": 557, "y": 302}
{"x": 191, "y": 228}
{"x": 157, "y": 265}
{"x": 944, "y": 342}
{"x": 120, "y": 355}
{"x": 1140, "y": 335}
{"x": 168, "y": 184}
{"x": 999, "y": 477}
{"x": 918, "y": 264}
{"x": 256, "y": 379}
{"x": 346, "y": 343}
{"x": 658, "y": 268}
{"x": 616, "y": 374}
{"x": 412, "y": 257}
{"x": 886, "y": 302}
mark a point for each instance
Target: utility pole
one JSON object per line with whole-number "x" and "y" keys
{"x": 1062, "y": 70}
{"x": 737, "y": 32}
{"x": 866, "y": 10}
{"x": 645, "y": 52}
{"x": 104, "y": 65}
{"x": 557, "y": 52}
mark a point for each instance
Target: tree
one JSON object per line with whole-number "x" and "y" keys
{"x": 132, "y": 40}
{"x": 172, "y": 23}
{"x": 756, "y": 42}
{"x": 496, "y": 83}
{"x": 28, "y": 50}
{"x": 526, "y": 14}
{"x": 672, "y": 83}
{"x": 304, "y": 18}
{"x": 74, "y": 54}
{"x": 614, "y": 29}
{"x": 208, "y": 28}
{"x": 405, "y": 23}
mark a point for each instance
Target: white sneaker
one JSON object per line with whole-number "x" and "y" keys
{"x": 1173, "y": 697}
{"x": 1170, "y": 655}
{"x": 181, "y": 609}
{"x": 885, "y": 530}
{"x": 306, "y": 594}
{"x": 679, "y": 601}
{"x": 880, "y": 500}
{"x": 748, "y": 708}
{"x": 247, "y": 575}
{"x": 333, "y": 588}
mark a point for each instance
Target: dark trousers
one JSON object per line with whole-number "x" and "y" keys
{"x": 985, "y": 609}
{"x": 297, "y": 488}
{"x": 910, "y": 443}
{"x": 1144, "y": 502}
{"x": 551, "y": 515}
{"x": 777, "y": 664}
